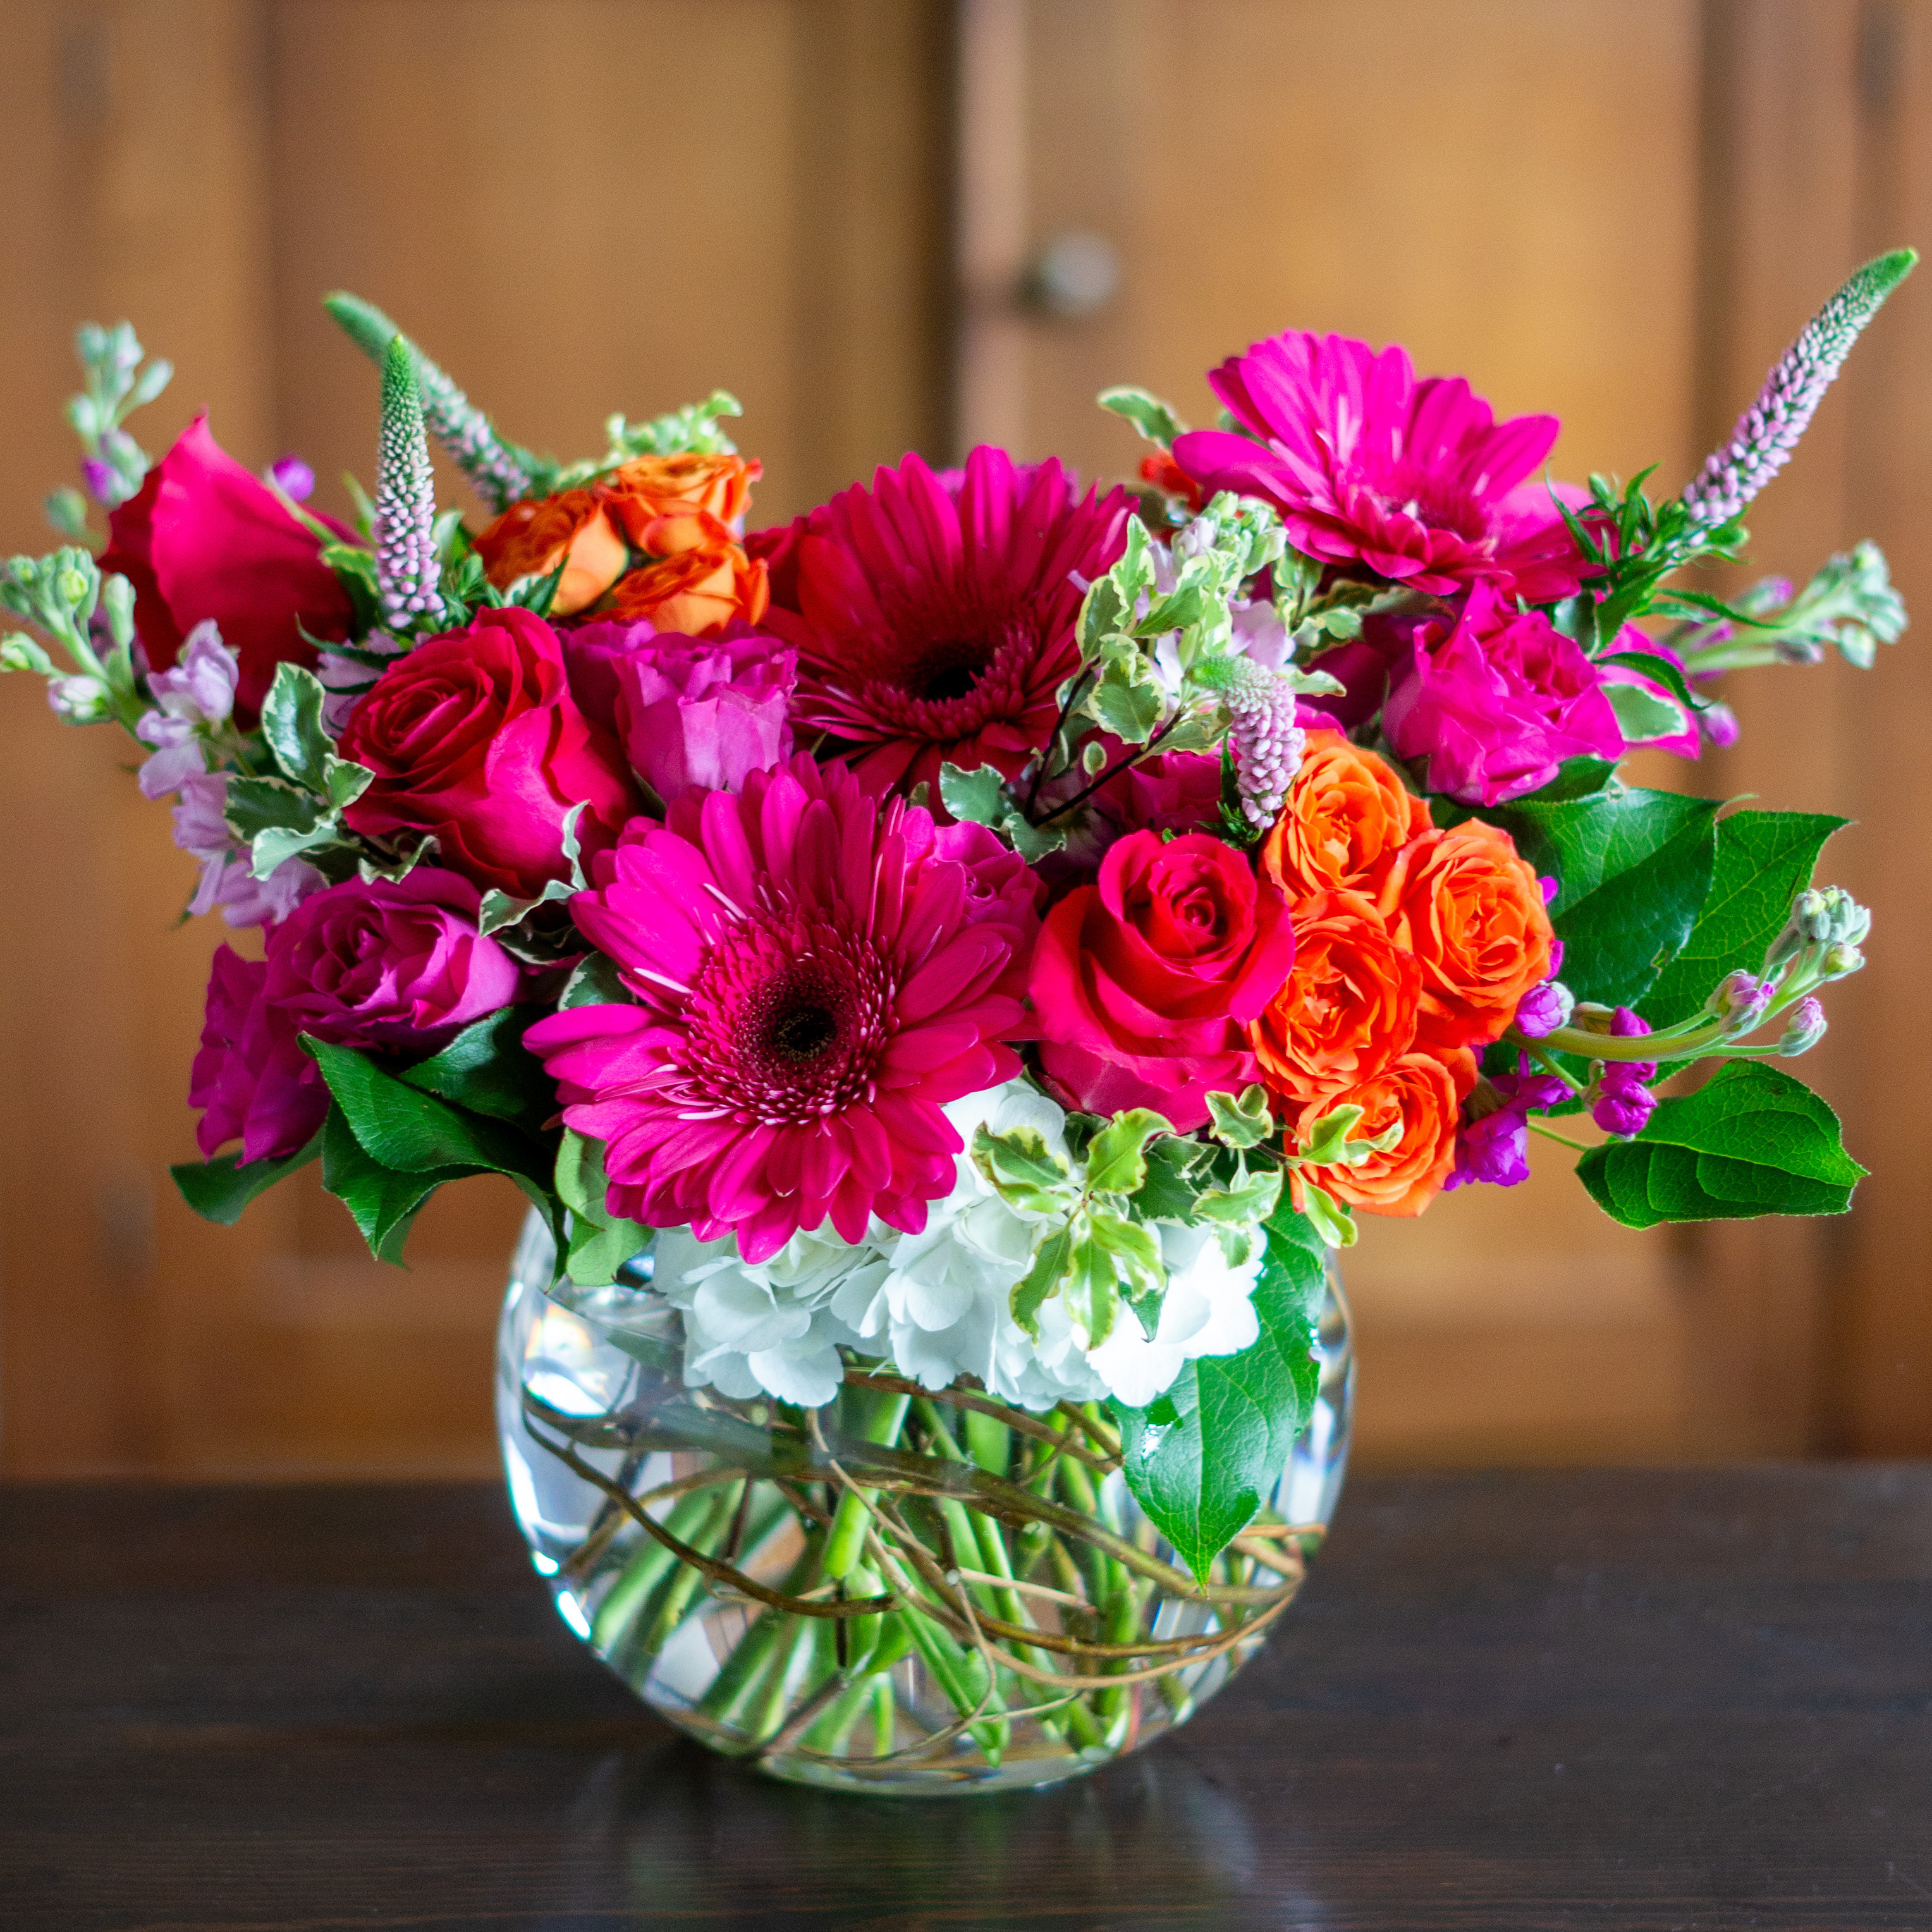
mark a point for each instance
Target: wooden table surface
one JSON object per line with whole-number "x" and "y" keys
{"x": 1660, "y": 1700}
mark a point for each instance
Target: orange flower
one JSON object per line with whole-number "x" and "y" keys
{"x": 701, "y": 582}
{"x": 1472, "y": 913}
{"x": 651, "y": 486}
{"x": 1346, "y": 817}
{"x": 1347, "y": 1009}
{"x": 1421, "y": 1091}
{"x": 532, "y": 537}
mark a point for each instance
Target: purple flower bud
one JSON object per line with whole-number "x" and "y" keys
{"x": 101, "y": 481}
{"x": 292, "y": 477}
{"x": 1740, "y": 1000}
{"x": 1495, "y": 1149}
{"x": 1625, "y": 1025}
{"x": 1555, "y": 957}
{"x": 1550, "y": 889}
{"x": 1720, "y": 725}
{"x": 1542, "y": 1009}
{"x": 1803, "y": 1030}
{"x": 1623, "y": 1109}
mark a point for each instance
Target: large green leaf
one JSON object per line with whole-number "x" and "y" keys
{"x": 218, "y": 1189}
{"x": 1764, "y": 860}
{"x": 600, "y": 1243}
{"x": 1201, "y": 1459}
{"x": 487, "y": 1069}
{"x": 1633, "y": 867}
{"x": 410, "y": 1132}
{"x": 1752, "y": 1140}
{"x": 384, "y": 1203}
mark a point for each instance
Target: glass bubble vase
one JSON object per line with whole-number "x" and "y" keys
{"x": 902, "y": 1592}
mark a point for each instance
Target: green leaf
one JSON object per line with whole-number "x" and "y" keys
{"x": 1330, "y": 1219}
{"x": 1244, "y": 1122}
{"x": 273, "y": 847}
{"x": 292, "y": 723}
{"x": 1576, "y": 778}
{"x": 487, "y": 1069}
{"x": 1167, "y": 1194}
{"x": 600, "y": 1243}
{"x": 1129, "y": 711}
{"x": 1092, "y": 1292}
{"x": 1252, "y": 1197}
{"x": 1659, "y": 671}
{"x": 413, "y": 1132}
{"x": 1136, "y": 1254}
{"x": 1117, "y": 1160}
{"x": 1752, "y": 1140}
{"x": 1329, "y": 1136}
{"x": 343, "y": 782}
{"x": 1764, "y": 860}
{"x": 259, "y": 805}
{"x": 979, "y": 797}
{"x": 1155, "y": 419}
{"x": 1050, "y": 1257}
{"x": 1201, "y": 1459}
{"x": 383, "y": 1203}
{"x": 593, "y": 982}
{"x": 218, "y": 1189}
{"x": 1633, "y": 867}
{"x": 1643, "y": 714}
{"x": 1022, "y": 1169}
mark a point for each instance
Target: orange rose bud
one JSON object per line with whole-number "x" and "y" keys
{"x": 531, "y": 539}
{"x": 702, "y": 580}
{"x": 655, "y": 486}
{"x": 1167, "y": 476}
{"x": 1346, "y": 817}
{"x": 1472, "y": 913}
{"x": 1422, "y": 1092}
{"x": 1347, "y": 1009}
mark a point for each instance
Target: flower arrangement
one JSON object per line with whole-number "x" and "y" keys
{"x": 958, "y": 960}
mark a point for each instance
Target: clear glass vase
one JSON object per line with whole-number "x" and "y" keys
{"x": 900, "y": 1592}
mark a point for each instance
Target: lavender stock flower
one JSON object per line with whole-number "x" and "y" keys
{"x": 1768, "y": 432}
{"x": 406, "y": 567}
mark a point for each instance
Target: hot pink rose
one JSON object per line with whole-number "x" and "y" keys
{"x": 475, "y": 737}
{"x": 1493, "y": 704}
{"x": 397, "y": 965}
{"x": 392, "y": 963}
{"x": 1000, "y": 888}
{"x": 203, "y": 539}
{"x": 1143, "y": 985}
{"x": 251, "y": 1077}
{"x": 694, "y": 713}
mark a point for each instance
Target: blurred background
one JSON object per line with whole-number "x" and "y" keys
{"x": 895, "y": 224}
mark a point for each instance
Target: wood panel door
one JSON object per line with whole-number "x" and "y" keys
{"x": 1619, "y": 214}
{"x": 578, "y": 206}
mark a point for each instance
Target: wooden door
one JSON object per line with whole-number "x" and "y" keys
{"x": 1620, "y": 215}
{"x": 578, "y": 206}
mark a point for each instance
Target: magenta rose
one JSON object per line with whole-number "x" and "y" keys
{"x": 1492, "y": 704}
{"x": 397, "y": 964}
{"x": 204, "y": 539}
{"x": 1144, "y": 984}
{"x": 694, "y": 713}
{"x": 475, "y": 737}
{"x": 251, "y": 1078}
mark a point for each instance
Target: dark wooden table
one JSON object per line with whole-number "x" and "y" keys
{"x": 1661, "y": 1700}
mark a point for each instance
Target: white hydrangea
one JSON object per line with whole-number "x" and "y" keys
{"x": 938, "y": 1303}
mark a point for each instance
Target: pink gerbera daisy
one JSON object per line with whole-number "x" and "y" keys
{"x": 1417, "y": 480}
{"x": 817, "y": 981}
{"x": 933, "y": 616}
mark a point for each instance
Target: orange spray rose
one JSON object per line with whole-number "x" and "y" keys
{"x": 1472, "y": 913}
{"x": 1346, "y": 817}
{"x": 651, "y": 486}
{"x": 1348, "y": 1008}
{"x": 533, "y": 537}
{"x": 699, "y": 581}
{"x": 1421, "y": 1092}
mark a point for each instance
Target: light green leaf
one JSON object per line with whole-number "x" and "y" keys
{"x": 1155, "y": 419}
{"x": 1245, "y": 1122}
{"x": 1117, "y": 1160}
{"x": 1092, "y": 1291}
{"x": 1023, "y": 1170}
{"x": 1129, "y": 711}
{"x": 292, "y": 723}
{"x": 1329, "y": 1135}
{"x": 600, "y": 1243}
{"x": 1252, "y": 1197}
{"x": 593, "y": 982}
{"x": 1168, "y": 1194}
{"x": 1328, "y": 1217}
{"x": 979, "y": 797}
{"x": 1052, "y": 1254}
{"x": 1643, "y": 715}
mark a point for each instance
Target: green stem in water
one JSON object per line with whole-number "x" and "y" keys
{"x": 729, "y": 1688}
{"x": 650, "y": 1563}
{"x": 875, "y": 1418}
